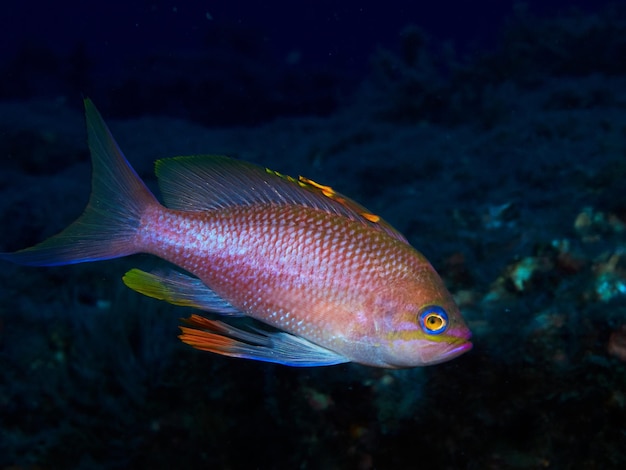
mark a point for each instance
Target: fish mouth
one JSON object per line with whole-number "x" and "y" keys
{"x": 458, "y": 350}
{"x": 462, "y": 343}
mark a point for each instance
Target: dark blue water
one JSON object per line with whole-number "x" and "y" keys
{"x": 492, "y": 134}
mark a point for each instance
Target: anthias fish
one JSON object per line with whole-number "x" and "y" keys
{"x": 336, "y": 282}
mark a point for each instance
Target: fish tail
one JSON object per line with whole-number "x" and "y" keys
{"x": 109, "y": 225}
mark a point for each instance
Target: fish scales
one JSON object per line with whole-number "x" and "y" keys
{"x": 337, "y": 282}
{"x": 290, "y": 252}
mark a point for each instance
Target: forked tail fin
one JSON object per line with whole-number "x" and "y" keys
{"x": 108, "y": 226}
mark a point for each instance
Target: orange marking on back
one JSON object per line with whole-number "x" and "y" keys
{"x": 330, "y": 193}
{"x": 371, "y": 217}
{"x": 326, "y": 190}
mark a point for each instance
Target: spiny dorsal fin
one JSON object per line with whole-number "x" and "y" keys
{"x": 200, "y": 183}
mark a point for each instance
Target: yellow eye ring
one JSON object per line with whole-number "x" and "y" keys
{"x": 433, "y": 320}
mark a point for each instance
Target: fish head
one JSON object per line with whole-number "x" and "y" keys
{"x": 422, "y": 324}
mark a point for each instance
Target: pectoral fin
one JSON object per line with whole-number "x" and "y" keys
{"x": 278, "y": 347}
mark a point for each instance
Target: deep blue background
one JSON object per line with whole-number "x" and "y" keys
{"x": 504, "y": 164}
{"x": 314, "y": 34}
{"x": 324, "y": 31}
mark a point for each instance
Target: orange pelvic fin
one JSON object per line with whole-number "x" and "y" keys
{"x": 278, "y": 347}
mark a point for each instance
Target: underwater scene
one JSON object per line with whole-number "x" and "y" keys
{"x": 313, "y": 235}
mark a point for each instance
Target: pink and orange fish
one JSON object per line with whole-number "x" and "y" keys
{"x": 336, "y": 282}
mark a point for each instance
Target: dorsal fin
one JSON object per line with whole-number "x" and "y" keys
{"x": 200, "y": 183}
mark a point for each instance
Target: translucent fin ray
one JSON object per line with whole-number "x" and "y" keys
{"x": 278, "y": 347}
{"x": 209, "y": 182}
{"x": 108, "y": 226}
{"x": 178, "y": 289}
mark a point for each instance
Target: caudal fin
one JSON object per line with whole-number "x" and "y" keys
{"x": 108, "y": 226}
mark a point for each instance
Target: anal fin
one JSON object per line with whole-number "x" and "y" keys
{"x": 278, "y": 347}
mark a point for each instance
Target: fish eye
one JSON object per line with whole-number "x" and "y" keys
{"x": 433, "y": 319}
